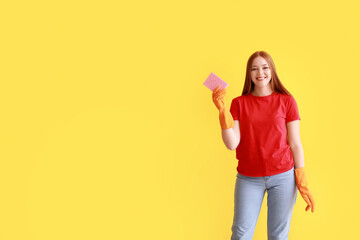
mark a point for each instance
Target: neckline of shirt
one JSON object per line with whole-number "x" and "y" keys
{"x": 273, "y": 93}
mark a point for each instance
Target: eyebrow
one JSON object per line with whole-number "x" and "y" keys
{"x": 263, "y": 65}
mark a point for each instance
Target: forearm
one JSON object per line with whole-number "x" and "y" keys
{"x": 230, "y": 139}
{"x": 298, "y": 155}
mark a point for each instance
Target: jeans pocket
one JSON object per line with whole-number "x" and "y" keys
{"x": 241, "y": 176}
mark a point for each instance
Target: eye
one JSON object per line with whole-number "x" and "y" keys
{"x": 255, "y": 68}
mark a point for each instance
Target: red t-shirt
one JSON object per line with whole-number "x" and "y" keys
{"x": 263, "y": 149}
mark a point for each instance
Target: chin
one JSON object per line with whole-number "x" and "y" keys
{"x": 262, "y": 83}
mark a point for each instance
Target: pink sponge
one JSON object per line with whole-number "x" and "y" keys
{"x": 213, "y": 81}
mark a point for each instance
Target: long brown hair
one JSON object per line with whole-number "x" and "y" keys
{"x": 275, "y": 82}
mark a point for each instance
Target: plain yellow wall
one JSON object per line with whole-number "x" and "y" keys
{"x": 108, "y": 133}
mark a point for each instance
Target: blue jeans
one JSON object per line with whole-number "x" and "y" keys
{"x": 249, "y": 194}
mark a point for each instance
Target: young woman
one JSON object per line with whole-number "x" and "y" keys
{"x": 263, "y": 126}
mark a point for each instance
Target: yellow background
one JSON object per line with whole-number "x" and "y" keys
{"x": 108, "y": 133}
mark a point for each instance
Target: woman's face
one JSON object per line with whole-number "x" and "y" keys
{"x": 260, "y": 72}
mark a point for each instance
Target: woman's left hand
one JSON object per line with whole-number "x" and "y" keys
{"x": 301, "y": 183}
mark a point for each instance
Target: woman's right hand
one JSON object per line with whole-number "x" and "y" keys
{"x": 218, "y": 98}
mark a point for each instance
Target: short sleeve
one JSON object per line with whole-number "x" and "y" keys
{"x": 292, "y": 111}
{"x": 234, "y": 109}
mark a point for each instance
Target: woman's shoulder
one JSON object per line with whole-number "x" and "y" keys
{"x": 284, "y": 95}
{"x": 239, "y": 98}
{"x": 242, "y": 96}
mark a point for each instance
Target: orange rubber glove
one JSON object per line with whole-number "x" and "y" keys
{"x": 225, "y": 117}
{"x": 302, "y": 183}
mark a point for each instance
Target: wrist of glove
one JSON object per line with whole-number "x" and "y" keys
{"x": 226, "y": 120}
{"x": 302, "y": 185}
